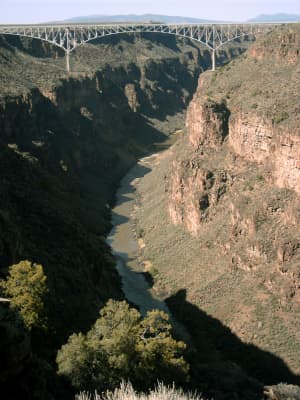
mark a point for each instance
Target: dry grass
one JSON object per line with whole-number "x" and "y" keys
{"x": 127, "y": 392}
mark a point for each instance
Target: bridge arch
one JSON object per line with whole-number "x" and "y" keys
{"x": 31, "y": 37}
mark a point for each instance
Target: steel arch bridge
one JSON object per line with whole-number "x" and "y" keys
{"x": 69, "y": 37}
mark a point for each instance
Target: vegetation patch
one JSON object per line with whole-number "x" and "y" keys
{"x": 280, "y": 117}
{"x": 123, "y": 346}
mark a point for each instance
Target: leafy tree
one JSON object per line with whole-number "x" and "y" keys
{"x": 76, "y": 360}
{"x": 26, "y": 287}
{"x": 123, "y": 346}
{"x": 116, "y": 333}
{"x": 160, "y": 354}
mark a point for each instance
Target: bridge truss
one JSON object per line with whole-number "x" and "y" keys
{"x": 69, "y": 37}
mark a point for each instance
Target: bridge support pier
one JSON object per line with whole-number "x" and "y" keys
{"x": 68, "y": 49}
{"x": 213, "y": 59}
{"x": 68, "y": 61}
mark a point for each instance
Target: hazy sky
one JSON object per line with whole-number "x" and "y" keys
{"x": 34, "y": 11}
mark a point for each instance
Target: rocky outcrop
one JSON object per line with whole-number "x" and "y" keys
{"x": 254, "y": 137}
{"x": 131, "y": 94}
{"x": 193, "y": 191}
{"x": 207, "y": 122}
{"x": 258, "y": 140}
{"x": 282, "y": 44}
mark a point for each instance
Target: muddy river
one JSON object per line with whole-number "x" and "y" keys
{"x": 124, "y": 243}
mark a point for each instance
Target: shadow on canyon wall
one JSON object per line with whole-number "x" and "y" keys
{"x": 219, "y": 352}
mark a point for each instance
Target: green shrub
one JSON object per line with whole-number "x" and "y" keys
{"x": 154, "y": 272}
{"x": 259, "y": 178}
{"x": 281, "y": 116}
{"x": 140, "y": 233}
{"x": 123, "y": 346}
{"x": 26, "y": 287}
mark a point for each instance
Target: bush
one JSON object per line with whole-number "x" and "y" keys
{"x": 153, "y": 272}
{"x": 259, "y": 178}
{"x": 123, "y": 346}
{"x": 140, "y": 233}
{"x": 281, "y": 116}
{"x": 26, "y": 287}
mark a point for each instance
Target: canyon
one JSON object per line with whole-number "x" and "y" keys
{"x": 219, "y": 231}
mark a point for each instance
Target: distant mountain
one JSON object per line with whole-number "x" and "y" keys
{"x": 135, "y": 18}
{"x": 281, "y": 17}
{"x": 167, "y": 19}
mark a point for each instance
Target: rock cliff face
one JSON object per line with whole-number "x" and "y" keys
{"x": 132, "y": 96}
{"x": 194, "y": 190}
{"x": 283, "y": 45}
{"x": 256, "y": 139}
{"x": 206, "y": 123}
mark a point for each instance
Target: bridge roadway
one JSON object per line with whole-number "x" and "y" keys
{"x": 69, "y": 37}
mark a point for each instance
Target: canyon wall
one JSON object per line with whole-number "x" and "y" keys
{"x": 270, "y": 139}
{"x": 243, "y": 159}
{"x": 255, "y": 138}
{"x": 233, "y": 184}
